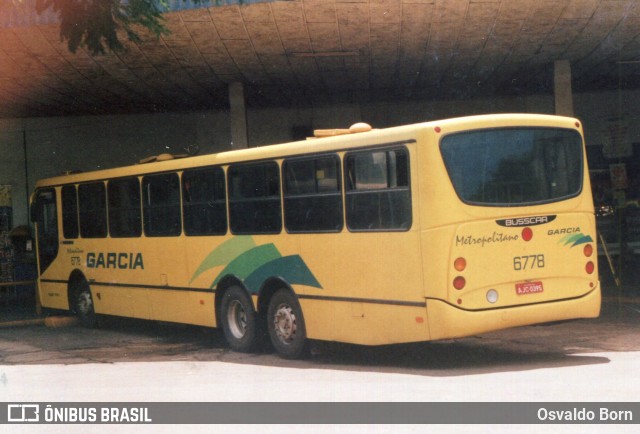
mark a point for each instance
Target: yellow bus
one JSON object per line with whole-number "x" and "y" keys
{"x": 429, "y": 231}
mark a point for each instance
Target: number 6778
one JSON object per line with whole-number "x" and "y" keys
{"x": 528, "y": 262}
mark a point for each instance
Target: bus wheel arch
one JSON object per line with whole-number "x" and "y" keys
{"x": 81, "y": 300}
{"x": 236, "y": 315}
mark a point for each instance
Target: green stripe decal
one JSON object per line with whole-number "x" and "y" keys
{"x": 291, "y": 268}
{"x": 582, "y": 240}
{"x": 224, "y": 253}
{"x": 576, "y": 239}
{"x": 246, "y": 263}
{"x": 568, "y": 239}
{"x": 255, "y": 264}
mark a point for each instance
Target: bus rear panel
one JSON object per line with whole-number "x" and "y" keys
{"x": 521, "y": 233}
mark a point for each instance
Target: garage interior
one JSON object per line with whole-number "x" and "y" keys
{"x": 237, "y": 75}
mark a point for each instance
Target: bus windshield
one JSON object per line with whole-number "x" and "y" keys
{"x": 514, "y": 166}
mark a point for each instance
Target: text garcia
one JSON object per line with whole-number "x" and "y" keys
{"x": 122, "y": 261}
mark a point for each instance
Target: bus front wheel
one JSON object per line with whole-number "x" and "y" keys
{"x": 239, "y": 322}
{"x": 286, "y": 325}
{"x": 83, "y": 305}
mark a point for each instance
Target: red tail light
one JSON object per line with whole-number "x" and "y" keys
{"x": 590, "y": 267}
{"x": 459, "y": 282}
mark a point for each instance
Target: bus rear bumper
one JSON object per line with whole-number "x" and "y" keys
{"x": 447, "y": 321}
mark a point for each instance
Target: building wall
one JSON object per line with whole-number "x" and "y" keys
{"x": 12, "y": 170}
{"x": 55, "y": 145}
{"x": 610, "y": 117}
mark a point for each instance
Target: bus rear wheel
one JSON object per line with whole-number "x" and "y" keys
{"x": 83, "y": 305}
{"x": 239, "y": 321}
{"x": 286, "y": 325}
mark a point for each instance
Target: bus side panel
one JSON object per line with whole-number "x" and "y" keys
{"x": 167, "y": 267}
{"x": 364, "y": 323}
{"x": 53, "y": 285}
{"x": 363, "y": 288}
{"x": 53, "y": 295}
{"x": 145, "y": 278}
{"x": 182, "y": 306}
{"x": 115, "y": 271}
{"x": 127, "y": 302}
{"x": 372, "y": 282}
{"x": 372, "y": 288}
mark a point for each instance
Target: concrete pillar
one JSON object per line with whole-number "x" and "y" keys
{"x": 238, "y": 116}
{"x": 562, "y": 88}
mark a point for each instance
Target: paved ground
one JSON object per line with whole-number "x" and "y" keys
{"x": 129, "y": 360}
{"x": 125, "y": 340}
{"x": 134, "y": 361}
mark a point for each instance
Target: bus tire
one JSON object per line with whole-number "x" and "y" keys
{"x": 286, "y": 325}
{"x": 239, "y": 320}
{"x": 83, "y": 305}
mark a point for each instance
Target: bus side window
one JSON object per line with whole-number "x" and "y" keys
{"x": 204, "y": 202}
{"x": 92, "y": 202}
{"x": 124, "y": 208}
{"x": 378, "y": 194}
{"x": 312, "y": 194}
{"x": 254, "y": 198}
{"x": 161, "y": 205}
{"x": 70, "y": 212}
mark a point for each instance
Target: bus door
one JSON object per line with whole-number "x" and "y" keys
{"x": 45, "y": 215}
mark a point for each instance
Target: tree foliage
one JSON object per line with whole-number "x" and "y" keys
{"x": 95, "y": 24}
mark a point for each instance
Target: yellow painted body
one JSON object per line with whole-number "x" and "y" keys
{"x": 377, "y": 287}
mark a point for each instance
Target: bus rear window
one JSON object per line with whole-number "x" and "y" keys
{"x": 514, "y": 166}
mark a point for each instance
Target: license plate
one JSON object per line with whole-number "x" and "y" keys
{"x": 529, "y": 288}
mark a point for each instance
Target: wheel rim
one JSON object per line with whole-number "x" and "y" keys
{"x": 285, "y": 324}
{"x": 85, "y": 304}
{"x": 237, "y": 319}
